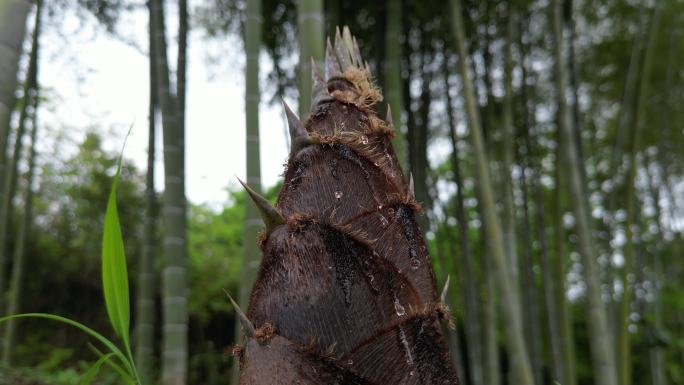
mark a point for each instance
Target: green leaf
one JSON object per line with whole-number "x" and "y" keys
{"x": 89, "y": 375}
{"x": 107, "y": 343}
{"x": 114, "y": 270}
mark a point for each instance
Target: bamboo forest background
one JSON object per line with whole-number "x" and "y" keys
{"x": 545, "y": 139}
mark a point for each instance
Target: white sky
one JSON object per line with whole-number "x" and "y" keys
{"x": 95, "y": 80}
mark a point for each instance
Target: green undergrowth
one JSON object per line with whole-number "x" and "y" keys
{"x": 116, "y": 355}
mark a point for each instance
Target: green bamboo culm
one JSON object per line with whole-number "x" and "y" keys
{"x": 30, "y": 97}
{"x": 468, "y": 289}
{"x": 601, "y": 344}
{"x": 393, "y": 81}
{"x": 253, "y": 224}
{"x": 13, "y": 16}
{"x": 174, "y": 365}
{"x": 624, "y": 343}
{"x": 148, "y": 274}
{"x": 311, "y": 26}
{"x": 511, "y": 314}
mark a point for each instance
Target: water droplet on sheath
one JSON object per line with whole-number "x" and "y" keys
{"x": 399, "y": 308}
{"x": 338, "y": 195}
{"x": 364, "y": 139}
{"x": 350, "y": 362}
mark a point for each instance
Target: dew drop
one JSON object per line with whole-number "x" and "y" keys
{"x": 383, "y": 221}
{"x": 399, "y": 308}
{"x": 364, "y": 139}
{"x": 350, "y": 362}
{"x": 338, "y": 194}
{"x": 411, "y": 373}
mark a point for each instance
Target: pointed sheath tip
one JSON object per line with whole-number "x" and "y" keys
{"x": 299, "y": 137}
{"x": 246, "y": 323}
{"x": 332, "y": 65}
{"x": 411, "y": 187}
{"x": 296, "y": 128}
{"x": 388, "y": 118}
{"x": 445, "y": 290}
{"x": 348, "y": 40}
{"x": 338, "y": 35}
{"x": 357, "y": 53}
{"x": 269, "y": 214}
{"x": 319, "y": 87}
{"x": 342, "y": 51}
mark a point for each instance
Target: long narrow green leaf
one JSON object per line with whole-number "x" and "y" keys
{"x": 107, "y": 343}
{"x": 114, "y": 271}
{"x": 92, "y": 372}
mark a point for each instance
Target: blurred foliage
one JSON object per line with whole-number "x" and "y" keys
{"x": 65, "y": 255}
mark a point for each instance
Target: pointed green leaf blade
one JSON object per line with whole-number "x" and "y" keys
{"x": 114, "y": 270}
